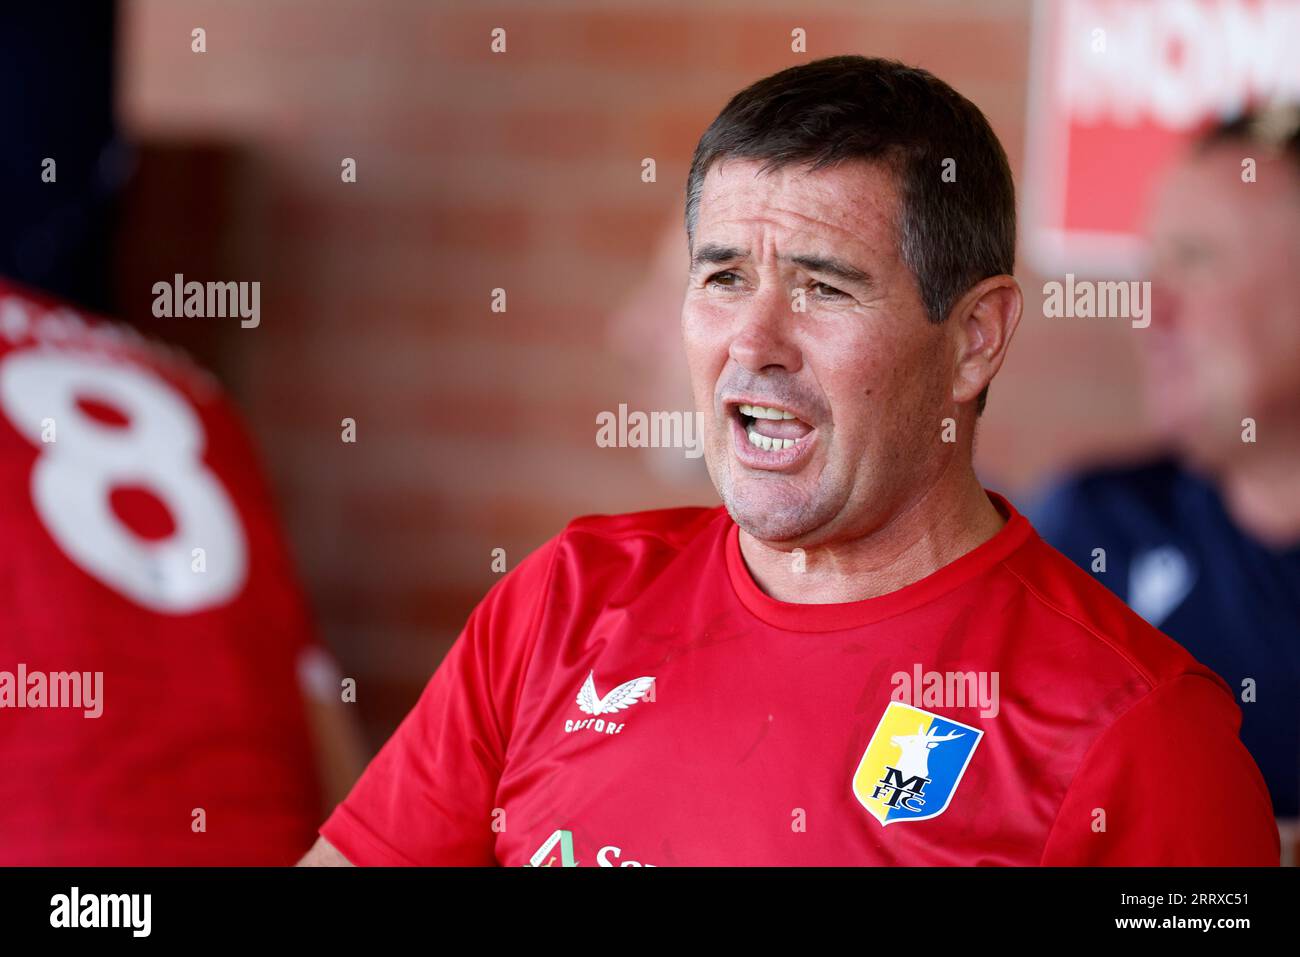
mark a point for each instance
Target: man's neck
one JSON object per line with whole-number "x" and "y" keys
{"x": 950, "y": 519}
{"x": 1262, "y": 494}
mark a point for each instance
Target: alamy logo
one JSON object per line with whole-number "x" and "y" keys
{"x": 53, "y": 689}
{"x": 1085, "y": 299}
{"x": 912, "y": 764}
{"x": 619, "y": 699}
{"x": 650, "y": 430}
{"x": 947, "y": 689}
{"x": 75, "y": 909}
{"x": 208, "y": 300}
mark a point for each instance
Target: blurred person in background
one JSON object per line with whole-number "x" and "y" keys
{"x": 1204, "y": 540}
{"x": 163, "y": 697}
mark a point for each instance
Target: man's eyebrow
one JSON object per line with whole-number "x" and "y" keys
{"x": 845, "y": 272}
{"x": 713, "y": 253}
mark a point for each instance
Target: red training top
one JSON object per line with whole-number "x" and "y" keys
{"x": 628, "y": 696}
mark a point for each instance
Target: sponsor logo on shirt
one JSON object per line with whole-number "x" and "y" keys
{"x": 619, "y": 699}
{"x": 913, "y": 764}
{"x": 561, "y": 840}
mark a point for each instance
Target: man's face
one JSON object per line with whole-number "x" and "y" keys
{"x": 866, "y": 377}
{"x": 1224, "y": 340}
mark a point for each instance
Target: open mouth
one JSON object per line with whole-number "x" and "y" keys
{"x": 769, "y": 437}
{"x": 772, "y": 429}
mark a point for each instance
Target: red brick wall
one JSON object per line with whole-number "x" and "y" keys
{"x": 476, "y": 429}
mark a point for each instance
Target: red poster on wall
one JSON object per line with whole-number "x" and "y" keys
{"x": 1117, "y": 87}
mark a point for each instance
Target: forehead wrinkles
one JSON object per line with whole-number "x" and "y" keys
{"x": 848, "y": 204}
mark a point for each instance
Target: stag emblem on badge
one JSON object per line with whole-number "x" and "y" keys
{"x": 913, "y": 764}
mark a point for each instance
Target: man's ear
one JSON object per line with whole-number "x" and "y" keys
{"x": 983, "y": 321}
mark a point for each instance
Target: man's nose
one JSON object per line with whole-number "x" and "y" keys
{"x": 762, "y": 339}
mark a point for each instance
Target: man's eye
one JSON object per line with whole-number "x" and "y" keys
{"x": 716, "y": 275}
{"x": 832, "y": 293}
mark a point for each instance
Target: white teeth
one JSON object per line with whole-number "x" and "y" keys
{"x": 765, "y": 412}
{"x": 770, "y": 445}
{"x": 762, "y": 441}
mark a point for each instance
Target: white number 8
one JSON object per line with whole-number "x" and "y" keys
{"x": 160, "y": 449}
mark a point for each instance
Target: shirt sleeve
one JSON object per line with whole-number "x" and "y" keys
{"x": 427, "y": 797}
{"x": 1169, "y": 783}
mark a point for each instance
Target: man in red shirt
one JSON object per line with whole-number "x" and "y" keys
{"x": 863, "y": 657}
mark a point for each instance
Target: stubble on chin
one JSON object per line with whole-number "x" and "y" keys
{"x": 772, "y": 515}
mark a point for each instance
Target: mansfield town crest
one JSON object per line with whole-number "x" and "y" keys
{"x": 913, "y": 764}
